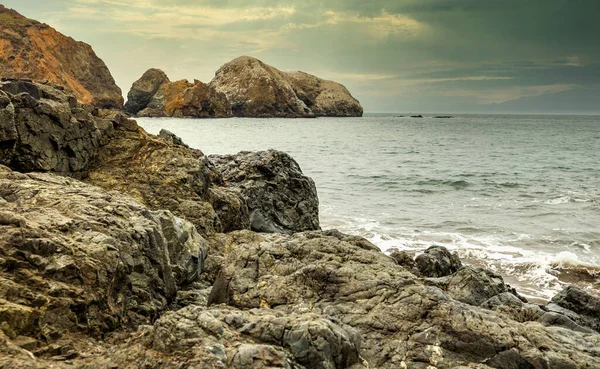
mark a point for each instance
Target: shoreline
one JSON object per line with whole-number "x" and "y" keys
{"x": 123, "y": 248}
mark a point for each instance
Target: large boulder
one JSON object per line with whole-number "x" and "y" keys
{"x": 437, "y": 261}
{"x": 579, "y": 305}
{"x": 256, "y": 89}
{"x": 280, "y": 198}
{"x": 29, "y": 49}
{"x": 44, "y": 129}
{"x": 74, "y": 257}
{"x": 144, "y": 89}
{"x": 153, "y": 95}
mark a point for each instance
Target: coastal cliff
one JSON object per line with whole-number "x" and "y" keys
{"x": 123, "y": 249}
{"x": 244, "y": 87}
{"x": 29, "y": 49}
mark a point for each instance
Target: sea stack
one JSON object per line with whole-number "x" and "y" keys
{"x": 154, "y": 95}
{"x": 30, "y": 49}
{"x": 256, "y": 89}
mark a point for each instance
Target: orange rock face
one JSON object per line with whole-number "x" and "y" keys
{"x": 29, "y": 49}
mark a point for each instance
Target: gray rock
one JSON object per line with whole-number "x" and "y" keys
{"x": 171, "y": 138}
{"x": 144, "y": 89}
{"x": 581, "y": 307}
{"x": 475, "y": 285}
{"x": 437, "y": 261}
{"x": 86, "y": 259}
{"x": 43, "y": 129}
{"x": 279, "y": 197}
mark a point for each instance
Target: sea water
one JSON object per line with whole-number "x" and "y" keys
{"x": 517, "y": 194}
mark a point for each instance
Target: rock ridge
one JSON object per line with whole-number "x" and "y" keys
{"x": 29, "y": 49}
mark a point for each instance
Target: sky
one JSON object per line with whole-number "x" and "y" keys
{"x": 538, "y": 56}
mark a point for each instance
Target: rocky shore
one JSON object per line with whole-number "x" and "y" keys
{"x": 120, "y": 249}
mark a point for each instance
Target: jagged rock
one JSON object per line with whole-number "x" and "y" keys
{"x": 324, "y": 98}
{"x": 580, "y": 306}
{"x": 403, "y": 259}
{"x": 142, "y": 90}
{"x": 255, "y": 89}
{"x": 86, "y": 259}
{"x": 171, "y": 137}
{"x": 475, "y": 285}
{"x": 29, "y": 49}
{"x": 437, "y": 261}
{"x": 43, "y": 128}
{"x": 402, "y": 321}
{"x": 154, "y": 95}
{"x": 311, "y": 340}
{"x": 279, "y": 197}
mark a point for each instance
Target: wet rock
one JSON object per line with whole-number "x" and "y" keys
{"x": 279, "y": 197}
{"x": 578, "y": 305}
{"x": 437, "y": 261}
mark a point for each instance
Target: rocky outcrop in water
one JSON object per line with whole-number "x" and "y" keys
{"x": 29, "y": 49}
{"x": 280, "y": 198}
{"x": 324, "y": 98}
{"x": 255, "y": 89}
{"x": 244, "y": 87}
{"x": 153, "y": 95}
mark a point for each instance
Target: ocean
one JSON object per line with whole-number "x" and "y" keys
{"x": 519, "y": 195}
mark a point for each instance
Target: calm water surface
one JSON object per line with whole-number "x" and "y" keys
{"x": 517, "y": 194}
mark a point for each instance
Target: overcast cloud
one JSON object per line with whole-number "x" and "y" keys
{"x": 399, "y": 55}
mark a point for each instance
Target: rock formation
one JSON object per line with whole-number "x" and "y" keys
{"x": 256, "y": 89}
{"x": 244, "y": 87}
{"x": 29, "y": 49}
{"x": 78, "y": 258}
{"x": 324, "y": 98}
{"x": 153, "y": 95}
{"x": 94, "y": 278}
{"x": 280, "y": 198}
{"x": 45, "y": 129}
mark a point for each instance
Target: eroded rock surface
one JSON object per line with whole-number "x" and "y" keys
{"x": 256, "y": 89}
{"x": 324, "y": 98}
{"x": 154, "y": 95}
{"x": 403, "y": 321}
{"x": 29, "y": 49}
{"x": 280, "y": 198}
{"x": 44, "y": 129}
{"x": 74, "y": 257}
